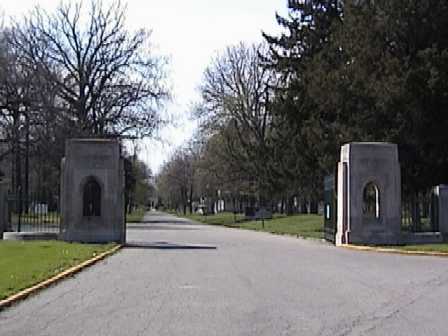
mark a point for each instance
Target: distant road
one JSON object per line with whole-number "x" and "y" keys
{"x": 180, "y": 278}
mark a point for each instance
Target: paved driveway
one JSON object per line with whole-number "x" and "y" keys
{"x": 178, "y": 278}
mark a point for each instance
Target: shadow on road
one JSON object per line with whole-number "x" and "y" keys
{"x": 168, "y": 246}
{"x": 142, "y": 226}
{"x": 165, "y": 221}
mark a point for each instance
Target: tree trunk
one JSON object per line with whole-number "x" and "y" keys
{"x": 190, "y": 200}
{"x": 18, "y": 162}
{"x": 302, "y": 206}
{"x": 290, "y": 206}
{"x": 415, "y": 213}
{"x": 314, "y": 207}
{"x": 27, "y": 164}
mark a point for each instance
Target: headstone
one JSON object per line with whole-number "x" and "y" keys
{"x": 369, "y": 194}
{"x": 39, "y": 208}
{"x": 263, "y": 214}
{"x": 92, "y": 192}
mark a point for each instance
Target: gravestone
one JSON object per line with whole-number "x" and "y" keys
{"x": 38, "y": 208}
{"x": 92, "y": 192}
{"x": 369, "y": 194}
{"x": 263, "y": 213}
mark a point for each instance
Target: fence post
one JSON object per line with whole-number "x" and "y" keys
{"x": 434, "y": 209}
{"x": 3, "y": 207}
{"x": 19, "y": 210}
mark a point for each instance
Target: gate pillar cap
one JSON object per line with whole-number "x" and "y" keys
{"x": 360, "y": 150}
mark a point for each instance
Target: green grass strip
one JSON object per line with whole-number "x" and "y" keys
{"x": 136, "y": 216}
{"x": 24, "y": 264}
{"x": 307, "y": 226}
{"x": 424, "y": 248}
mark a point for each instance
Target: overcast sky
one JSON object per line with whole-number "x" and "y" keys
{"x": 189, "y": 33}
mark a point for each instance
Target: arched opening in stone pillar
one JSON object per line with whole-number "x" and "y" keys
{"x": 371, "y": 201}
{"x": 91, "y": 198}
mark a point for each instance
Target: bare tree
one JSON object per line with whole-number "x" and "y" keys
{"x": 236, "y": 93}
{"x": 15, "y": 100}
{"x": 108, "y": 82}
{"x": 177, "y": 179}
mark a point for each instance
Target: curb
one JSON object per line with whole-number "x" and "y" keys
{"x": 394, "y": 251}
{"x": 64, "y": 274}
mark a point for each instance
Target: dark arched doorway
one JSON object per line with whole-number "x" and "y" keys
{"x": 91, "y": 198}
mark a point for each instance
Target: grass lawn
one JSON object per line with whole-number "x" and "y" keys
{"x": 23, "y": 264}
{"x": 308, "y": 226}
{"x": 135, "y": 216}
{"x": 223, "y": 218}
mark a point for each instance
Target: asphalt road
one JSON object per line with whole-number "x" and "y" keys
{"x": 178, "y": 278}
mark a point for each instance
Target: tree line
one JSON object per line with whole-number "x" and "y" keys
{"x": 273, "y": 116}
{"x": 76, "y": 71}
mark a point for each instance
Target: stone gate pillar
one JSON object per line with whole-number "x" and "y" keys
{"x": 92, "y": 192}
{"x": 441, "y": 204}
{"x": 369, "y": 194}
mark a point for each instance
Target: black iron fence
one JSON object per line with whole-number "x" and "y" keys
{"x": 419, "y": 212}
{"x": 33, "y": 213}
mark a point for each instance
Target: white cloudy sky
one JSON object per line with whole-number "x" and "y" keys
{"x": 190, "y": 33}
